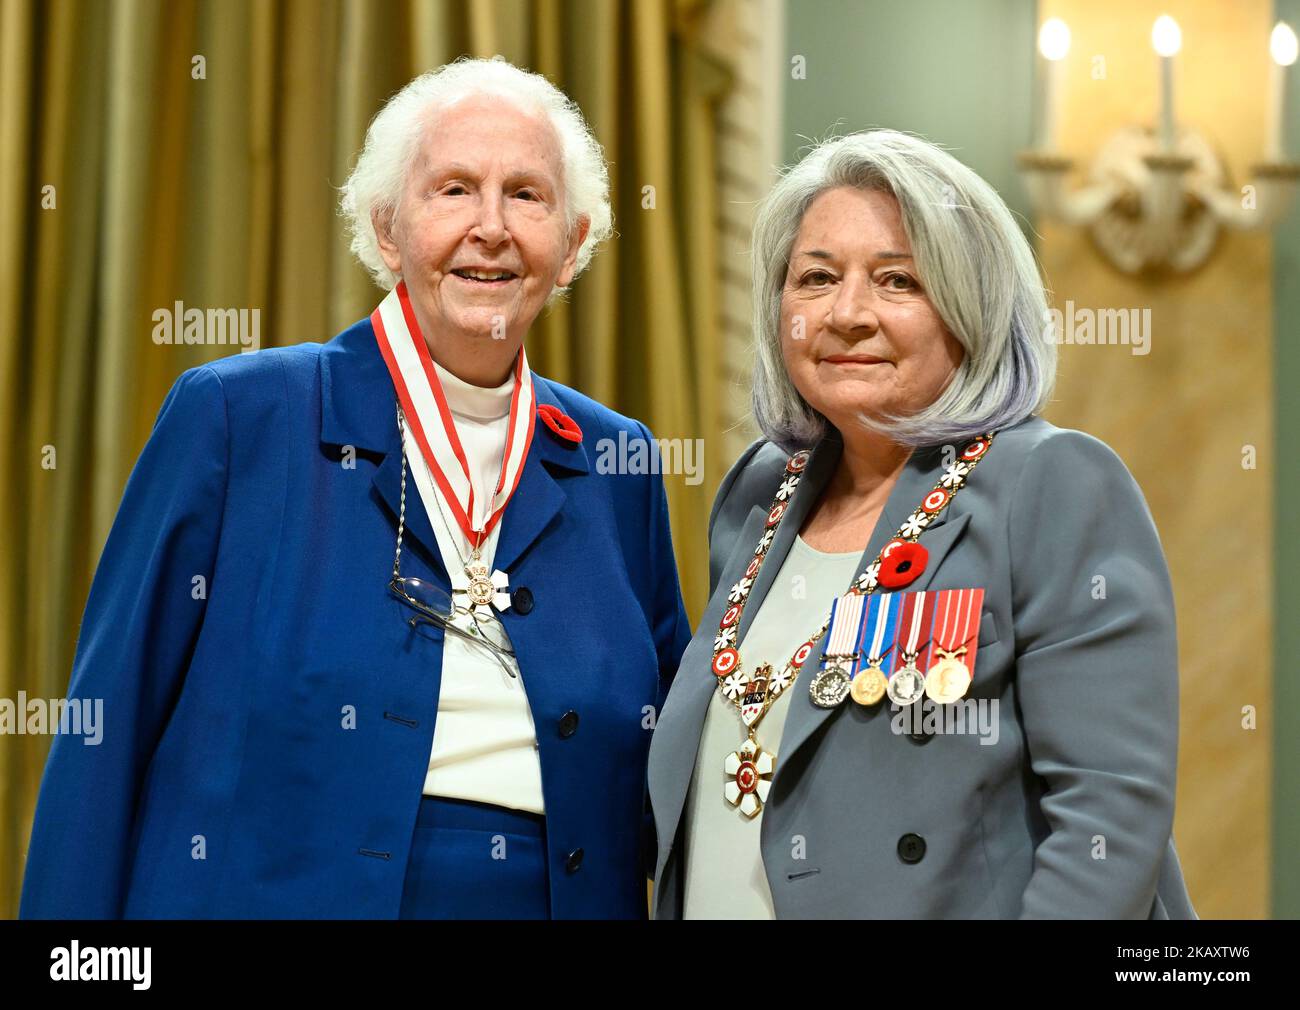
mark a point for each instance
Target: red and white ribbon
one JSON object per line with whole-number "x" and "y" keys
{"x": 429, "y": 418}
{"x": 917, "y": 609}
{"x": 957, "y": 621}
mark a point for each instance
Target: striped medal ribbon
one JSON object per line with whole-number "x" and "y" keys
{"x": 424, "y": 406}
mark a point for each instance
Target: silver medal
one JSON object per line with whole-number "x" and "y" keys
{"x": 906, "y": 686}
{"x": 831, "y": 686}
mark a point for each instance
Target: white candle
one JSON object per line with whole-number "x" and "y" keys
{"x": 1053, "y": 44}
{"x": 1282, "y": 47}
{"x": 1166, "y": 39}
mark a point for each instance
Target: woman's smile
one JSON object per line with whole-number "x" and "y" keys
{"x": 485, "y": 277}
{"x": 853, "y": 360}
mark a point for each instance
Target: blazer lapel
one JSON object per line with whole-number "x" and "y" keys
{"x": 681, "y": 727}
{"x": 915, "y": 480}
{"x": 358, "y": 409}
{"x": 416, "y": 526}
{"x": 816, "y": 475}
{"x": 539, "y": 497}
{"x": 803, "y": 718}
{"x": 672, "y": 761}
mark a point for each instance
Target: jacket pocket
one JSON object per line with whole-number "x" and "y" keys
{"x": 988, "y": 629}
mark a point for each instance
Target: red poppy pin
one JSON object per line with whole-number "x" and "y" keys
{"x": 560, "y": 423}
{"x": 905, "y": 562}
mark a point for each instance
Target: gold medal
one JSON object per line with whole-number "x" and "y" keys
{"x": 481, "y": 589}
{"x": 869, "y": 685}
{"x": 948, "y": 679}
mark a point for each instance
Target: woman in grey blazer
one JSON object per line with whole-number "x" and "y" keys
{"x": 989, "y": 728}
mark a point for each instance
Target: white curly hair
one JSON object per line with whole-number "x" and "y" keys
{"x": 393, "y": 142}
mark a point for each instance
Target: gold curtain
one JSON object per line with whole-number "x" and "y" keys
{"x": 191, "y": 150}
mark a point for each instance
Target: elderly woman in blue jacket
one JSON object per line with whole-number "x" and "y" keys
{"x": 374, "y": 637}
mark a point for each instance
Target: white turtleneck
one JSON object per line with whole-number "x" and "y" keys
{"x": 484, "y": 742}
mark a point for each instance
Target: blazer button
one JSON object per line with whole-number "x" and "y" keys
{"x": 921, "y": 737}
{"x": 574, "y": 861}
{"x": 568, "y": 724}
{"x": 522, "y": 599}
{"x": 911, "y": 848}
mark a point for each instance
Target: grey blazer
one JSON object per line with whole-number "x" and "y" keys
{"x": 1070, "y": 812}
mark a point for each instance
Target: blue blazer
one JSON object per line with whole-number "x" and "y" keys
{"x": 240, "y": 613}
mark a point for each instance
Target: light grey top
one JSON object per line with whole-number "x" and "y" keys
{"x": 724, "y": 877}
{"x": 1062, "y": 804}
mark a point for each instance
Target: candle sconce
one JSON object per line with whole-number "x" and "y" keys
{"x": 1157, "y": 198}
{"x": 1147, "y": 208}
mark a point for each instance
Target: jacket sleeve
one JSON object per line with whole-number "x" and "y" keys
{"x": 142, "y": 618}
{"x": 671, "y": 627}
{"x": 1096, "y": 679}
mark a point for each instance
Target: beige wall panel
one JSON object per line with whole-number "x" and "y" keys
{"x": 1181, "y": 415}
